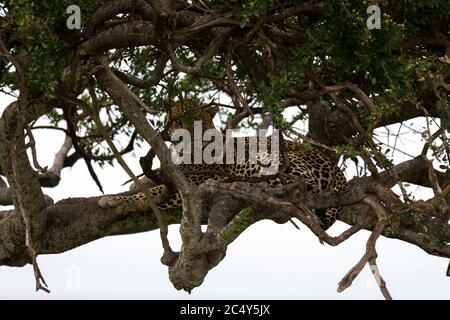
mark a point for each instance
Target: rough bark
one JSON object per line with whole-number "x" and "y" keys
{"x": 77, "y": 221}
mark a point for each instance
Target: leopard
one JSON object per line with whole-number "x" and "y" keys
{"x": 299, "y": 163}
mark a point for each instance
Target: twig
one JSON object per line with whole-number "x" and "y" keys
{"x": 198, "y": 65}
{"x": 431, "y": 138}
{"x": 32, "y": 145}
{"x": 238, "y": 99}
{"x": 371, "y": 254}
{"x": 370, "y": 165}
{"x": 49, "y": 128}
{"x": 446, "y": 145}
{"x": 438, "y": 199}
{"x": 58, "y": 162}
{"x": 76, "y": 144}
{"x": 380, "y": 281}
{"x": 158, "y": 73}
{"x": 433, "y": 178}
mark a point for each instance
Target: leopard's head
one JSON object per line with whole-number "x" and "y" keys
{"x": 182, "y": 114}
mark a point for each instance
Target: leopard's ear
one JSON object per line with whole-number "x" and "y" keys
{"x": 213, "y": 110}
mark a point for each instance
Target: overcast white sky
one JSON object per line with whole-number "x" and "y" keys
{"x": 268, "y": 261}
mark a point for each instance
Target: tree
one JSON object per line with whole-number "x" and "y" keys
{"x": 101, "y": 71}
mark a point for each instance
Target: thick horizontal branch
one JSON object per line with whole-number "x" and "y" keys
{"x": 141, "y": 33}
{"x": 69, "y": 224}
{"x": 74, "y": 222}
{"x": 333, "y": 127}
{"x": 313, "y": 8}
{"x": 113, "y": 8}
{"x": 131, "y": 34}
{"x": 412, "y": 171}
{"x": 6, "y": 198}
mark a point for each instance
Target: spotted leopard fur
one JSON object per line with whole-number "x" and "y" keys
{"x": 314, "y": 168}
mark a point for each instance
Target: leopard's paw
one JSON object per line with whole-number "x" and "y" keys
{"x": 109, "y": 202}
{"x": 145, "y": 182}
